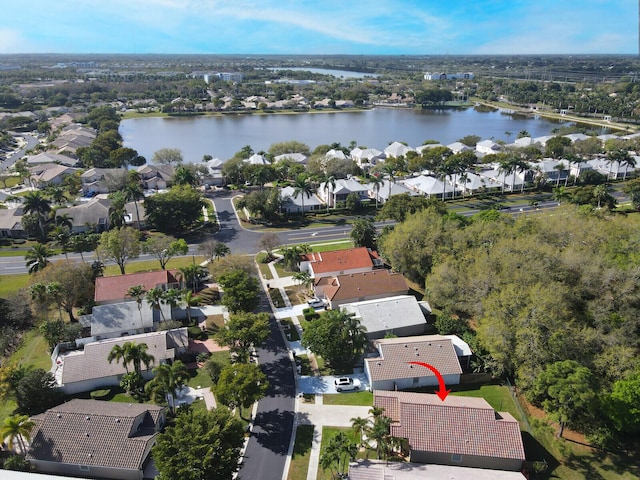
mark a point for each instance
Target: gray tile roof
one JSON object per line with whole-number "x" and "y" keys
{"x": 96, "y": 433}
{"x": 386, "y": 314}
{"x": 378, "y": 470}
{"x": 457, "y": 425}
{"x": 396, "y": 353}
{"x": 92, "y": 362}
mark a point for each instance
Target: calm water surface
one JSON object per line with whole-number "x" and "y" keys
{"x": 222, "y": 136}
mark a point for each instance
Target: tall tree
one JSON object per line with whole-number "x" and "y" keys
{"x": 15, "y": 430}
{"x": 303, "y": 278}
{"x": 35, "y": 202}
{"x": 240, "y": 385}
{"x": 37, "y": 257}
{"x": 200, "y": 445}
{"x": 363, "y": 233}
{"x": 243, "y": 332}
{"x": 154, "y": 299}
{"x": 302, "y": 187}
{"x": 137, "y": 355}
{"x": 133, "y": 192}
{"x": 137, "y": 292}
{"x": 167, "y": 156}
{"x": 240, "y": 291}
{"x": 177, "y": 210}
{"x": 117, "y": 354}
{"x": 120, "y": 245}
{"x": 192, "y": 275}
{"x": 164, "y": 248}
{"x": 376, "y": 183}
{"x": 167, "y": 382}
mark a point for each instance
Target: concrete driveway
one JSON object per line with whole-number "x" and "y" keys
{"x": 325, "y": 385}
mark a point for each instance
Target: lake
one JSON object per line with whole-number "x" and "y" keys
{"x": 222, "y": 136}
{"x": 326, "y": 71}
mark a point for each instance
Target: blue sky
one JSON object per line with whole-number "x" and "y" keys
{"x": 430, "y": 27}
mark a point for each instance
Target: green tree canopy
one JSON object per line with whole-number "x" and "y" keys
{"x": 120, "y": 245}
{"x": 240, "y": 291}
{"x": 177, "y": 210}
{"x": 199, "y": 445}
{"x": 242, "y": 332}
{"x": 240, "y": 385}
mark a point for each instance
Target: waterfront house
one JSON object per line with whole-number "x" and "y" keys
{"x": 292, "y": 202}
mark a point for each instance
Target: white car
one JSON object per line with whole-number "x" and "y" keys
{"x": 346, "y": 383}
{"x": 316, "y": 303}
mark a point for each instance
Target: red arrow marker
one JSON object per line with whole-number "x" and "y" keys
{"x": 442, "y": 388}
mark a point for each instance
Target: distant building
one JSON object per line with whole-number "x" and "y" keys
{"x": 448, "y": 76}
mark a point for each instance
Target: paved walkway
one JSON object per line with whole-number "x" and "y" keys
{"x": 321, "y": 416}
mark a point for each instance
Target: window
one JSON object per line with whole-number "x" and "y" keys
{"x": 84, "y": 468}
{"x": 455, "y": 457}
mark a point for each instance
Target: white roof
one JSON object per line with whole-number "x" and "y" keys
{"x": 428, "y": 185}
{"x": 380, "y": 470}
{"x": 385, "y": 314}
{"x": 457, "y": 147}
{"x": 288, "y": 194}
{"x": 120, "y": 317}
{"x": 462, "y": 348}
{"x": 397, "y": 149}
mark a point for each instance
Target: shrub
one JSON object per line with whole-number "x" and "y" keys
{"x": 196, "y": 333}
{"x": 100, "y": 394}
{"x": 203, "y": 357}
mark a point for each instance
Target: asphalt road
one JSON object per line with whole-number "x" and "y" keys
{"x": 266, "y": 453}
{"x": 31, "y": 143}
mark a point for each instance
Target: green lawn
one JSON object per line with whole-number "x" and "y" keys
{"x": 291, "y": 332}
{"x": 152, "y": 265}
{"x": 363, "y": 398}
{"x": 12, "y": 283}
{"x": 33, "y": 351}
{"x": 498, "y": 396}
{"x": 327, "y": 434}
{"x": 301, "y": 453}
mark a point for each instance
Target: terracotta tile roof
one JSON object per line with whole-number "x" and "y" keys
{"x": 396, "y": 353}
{"x": 340, "y": 260}
{"x": 116, "y": 287}
{"x": 362, "y": 285}
{"x": 459, "y": 425}
{"x": 92, "y": 432}
{"x": 92, "y": 362}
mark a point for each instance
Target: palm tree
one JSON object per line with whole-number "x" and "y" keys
{"x": 360, "y": 425}
{"x": 329, "y": 186}
{"x": 184, "y": 176}
{"x": 302, "y": 186}
{"x": 117, "y": 353}
{"x": 136, "y": 353}
{"x": 133, "y": 192}
{"x": 304, "y": 278}
{"x": 172, "y": 297}
{"x": 62, "y": 237}
{"x": 64, "y": 220}
{"x": 37, "y": 257}
{"x": 356, "y": 337}
{"x": 221, "y": 250}
{"x": 137, "y": 292}
{"x": 600, "y": 192}
{"x": 154, "y": 299}
{"x": 168, "y": 380}
{"x": 36, "y": 203}
{"x": 390, "y": 172}
{"x": 57, "y": 194}
{"x": 376, "y": 184}
{"x": 39, "y": 295}
{"x": 17, "y": 427}
{"x": 192, "y": 275}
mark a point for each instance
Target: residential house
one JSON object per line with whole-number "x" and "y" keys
{"x": 89, "y": 216}
{"x": 523, "y": 142}
{"x": 384, "y": 193}
{"x": 612, "y": 170}
{"x": 11, "y": 223}
{"x": 294, "y": 157}
{"x": 49, "y": 174}
{"x": 114, "y": 320}
{"x": 335, "y": 153}
{"x": 391, "y": 368}
{"x": 458, "y": 147}
{"x": 87, "y": 367}
{"x": 543, "y": 139}
{"x": 257, "y": 159}
{"x": 340, "y": 262}
{"x": 430, "y": 186}
{"x": 486, "y": 147}
{"x": 428, "y": 146}
{"x": 156, "y": 177}
{"x": 115, "y": 289}
{"x": 495, "y": 178}
{"x": 50, "y": 157}
{"x": 292, "y": 202}
{"x": 577, "y": 137}
{"x": 554, "y": 171}
{"x": 336, "y": 290}
{"x": 96, "y": 439}
{"x": 381, "y": 470}
{"x": 73, "y": 137}
{"x": 460, "y": 431}
{"x": 401, "y": 315}
{"x": 338, "y": 193}
{"x": 367, "y": 157}
{"x": 101, "y": 180}
{"x": 397, "y": 149}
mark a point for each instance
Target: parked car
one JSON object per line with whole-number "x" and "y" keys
{"x": 346, "y": 383}
{"x": 316, "y": 303}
